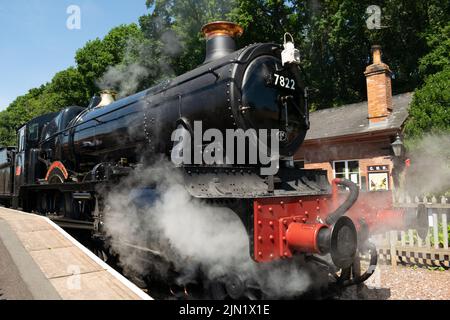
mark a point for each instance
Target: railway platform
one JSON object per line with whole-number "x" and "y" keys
{"x": 40, "y": 261}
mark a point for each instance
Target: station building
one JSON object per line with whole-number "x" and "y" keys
{"x": 356, "y": 141}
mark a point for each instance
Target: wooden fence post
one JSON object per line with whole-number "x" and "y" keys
{"x": 393, "y": 244}
{"x": 444, "y": 228}
{"x": 444, "y": 222}
{"x": 436, "y": 230}
{"x": 403, "y": 238}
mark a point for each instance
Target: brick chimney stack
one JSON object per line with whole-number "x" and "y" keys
{"x": 379, "y": 90}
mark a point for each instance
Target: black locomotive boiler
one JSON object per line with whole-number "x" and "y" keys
{"x": 230, "y": 90}
{"x": 63, "y": 159}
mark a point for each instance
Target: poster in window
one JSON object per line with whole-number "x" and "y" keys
{"x": 378, "y": 181}
{"x": 354, "y": 177}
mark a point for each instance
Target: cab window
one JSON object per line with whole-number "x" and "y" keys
{"x": 52, "y": 127}
{"x": 33, "y": 132}
{"x": 3, "y": 156}
{"x": 22, "y": 139}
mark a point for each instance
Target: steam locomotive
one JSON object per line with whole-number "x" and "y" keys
{"x": 62, "y": 159}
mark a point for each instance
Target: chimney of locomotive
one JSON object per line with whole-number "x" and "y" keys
{"x": 107, "y": 97}
{"x": 379, "y": 88}
{"x": 220, "y": 37}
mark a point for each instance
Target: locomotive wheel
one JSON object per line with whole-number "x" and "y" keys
{"x": 56, "y": 177}
{"x": 228, "y": 287}
{"x": 217, "y": 290}
{"x": 42, "y": 204}
{"x": 26, "y": 203}
{"x": 235, "y": 287}
{"x": 7, "y": 204}
{"x": 65, "y": 201}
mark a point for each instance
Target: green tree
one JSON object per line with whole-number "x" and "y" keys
{"x": 97, "y": 55}
{"x": 173, "y": 29}
{"x": 430, "y": 108}
{"x": 331, "y": 34}
{"x": 336, "y": 45}
{"x": 439, "y": 56}
{"x": 73, "y": 86}
{"x": 17, "y": 113}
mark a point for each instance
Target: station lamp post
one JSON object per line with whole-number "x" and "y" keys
{"x": 398, "y": 147}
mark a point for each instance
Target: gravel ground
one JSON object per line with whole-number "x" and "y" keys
{"x": 403, "y": 283}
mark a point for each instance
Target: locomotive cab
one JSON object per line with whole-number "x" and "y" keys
{"x": 26, "y": 164}
{"x": 38, "y": 140}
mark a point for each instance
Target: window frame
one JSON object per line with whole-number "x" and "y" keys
{"x": 34, "y": 126}
{"x": 22, "y": 139}
{"x": 347, "y": 172}
{"x": 3, "y": 156}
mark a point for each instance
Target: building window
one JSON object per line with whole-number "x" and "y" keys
{"x": 348, "y": 169}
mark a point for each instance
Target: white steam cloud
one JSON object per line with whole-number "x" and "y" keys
{"x": 191, "y": 235}
{"x": 429, "y": 172}
{"x": 125, "y": 78}
{"x": 142, "y": 62}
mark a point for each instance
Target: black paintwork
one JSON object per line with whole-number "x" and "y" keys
{"x": 141, "y": 125}
{"x": 236, "y": 91}
{"x": 6, "y": 171}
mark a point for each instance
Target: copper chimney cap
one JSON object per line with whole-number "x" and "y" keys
{"x": 222, "y": 28}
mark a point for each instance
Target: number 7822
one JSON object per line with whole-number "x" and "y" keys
{"x": 284, "y": 82}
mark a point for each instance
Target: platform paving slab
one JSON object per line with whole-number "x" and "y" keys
{"x": 50, "y": 264}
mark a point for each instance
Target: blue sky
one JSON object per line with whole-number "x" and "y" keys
{"x": 35, "y": 42}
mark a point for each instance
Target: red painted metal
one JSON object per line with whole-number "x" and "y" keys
{"x": 408, "y": 163}
{"x": 60, "y": 166}
{"x": 273, "y": 217}
{"x": 303, "y": 237}
{"x": 283, "y": 226}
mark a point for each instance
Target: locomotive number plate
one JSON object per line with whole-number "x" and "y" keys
{"x": 284, "y": 82}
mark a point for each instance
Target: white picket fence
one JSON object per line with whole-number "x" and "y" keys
{"x": 408, "y": 247}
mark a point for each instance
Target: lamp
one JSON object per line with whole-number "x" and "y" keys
{"x": 398, "y": 146}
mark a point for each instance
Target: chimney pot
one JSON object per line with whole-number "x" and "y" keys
{"x": 376, "y": 54}
{"x": 220, "y": 37}
{"x": 108, "y": 97}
